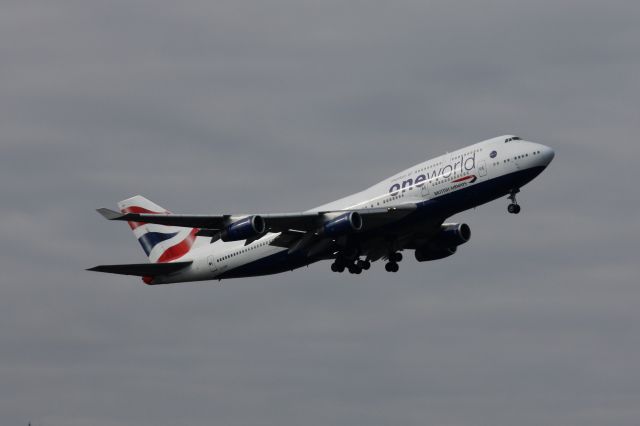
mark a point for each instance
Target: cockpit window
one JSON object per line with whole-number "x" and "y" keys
{"x": 513, "y": 138}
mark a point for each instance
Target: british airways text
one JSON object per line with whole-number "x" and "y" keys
{"x": 462, "y": 165}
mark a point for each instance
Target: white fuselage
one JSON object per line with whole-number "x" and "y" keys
{"x": 440, "y": 178}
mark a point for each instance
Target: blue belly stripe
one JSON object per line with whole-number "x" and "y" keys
{"x": 441, "y": 207}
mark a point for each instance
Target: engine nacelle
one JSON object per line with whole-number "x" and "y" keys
{"x": 445, "y": 243}
{"x": 425, "y": 254}
{"x": 453, "y": 235}
{"x": 251, "y": 226}
{"x": 343, "y": 224}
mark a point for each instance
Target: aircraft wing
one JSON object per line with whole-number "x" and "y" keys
{"x": 187, "y": 221}
{"x": 277, "y": 222}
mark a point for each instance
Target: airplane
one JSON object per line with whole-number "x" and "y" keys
{"x": 405, "y": 212}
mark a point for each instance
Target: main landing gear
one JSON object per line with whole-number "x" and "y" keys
{"x": 513, "y": 207}
{"x": 354, "y": 267}
{"x": 392, "y": 265}
{"x": 357, "y": 265}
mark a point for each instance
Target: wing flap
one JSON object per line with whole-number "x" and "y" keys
{"x": 375, "y": 217}
{"x": 142, "y": 269}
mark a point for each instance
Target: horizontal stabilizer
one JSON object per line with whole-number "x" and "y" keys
{"x": 109, "y": 214}
{"x": 142, "y": 269}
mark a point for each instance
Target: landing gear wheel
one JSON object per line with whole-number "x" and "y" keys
{"x": 355, "y": 269}
{"x": 364, "y": 264}
{"x": 337, "y": 267}
{"x": 513, "y": 207}
{"x": 391, "y": 267}
{"x": 396, "y": 257}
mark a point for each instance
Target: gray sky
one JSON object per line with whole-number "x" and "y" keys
{"x": 254, "y": 106}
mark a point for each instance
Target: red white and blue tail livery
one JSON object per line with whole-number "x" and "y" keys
{"x": 161, "y": 243}
{"x": 406, "y": 212}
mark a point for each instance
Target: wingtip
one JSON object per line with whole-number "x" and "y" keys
{"x": 109, "y": 214}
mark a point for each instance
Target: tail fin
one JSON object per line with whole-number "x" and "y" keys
{"x": 160, "y": 243}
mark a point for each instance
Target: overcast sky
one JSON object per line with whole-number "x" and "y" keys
{"x": 267, "y": 106}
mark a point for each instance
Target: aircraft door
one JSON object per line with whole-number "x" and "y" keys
{"x": 482, "y": 168}
{"x": 424, "y": 190}
{"x": 211, "y": 260}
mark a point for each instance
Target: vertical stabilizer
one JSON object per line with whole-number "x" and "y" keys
{"x": 161, "y": 243}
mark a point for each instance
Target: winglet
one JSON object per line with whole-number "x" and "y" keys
{"x": 110, "y": 214}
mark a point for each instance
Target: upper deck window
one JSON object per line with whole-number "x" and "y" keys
{"x": 513, "y": 138}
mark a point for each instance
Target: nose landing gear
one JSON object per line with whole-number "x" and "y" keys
{"x": 513, "y": 207}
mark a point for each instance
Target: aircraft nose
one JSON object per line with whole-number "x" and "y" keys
{"x": 546, "y": 155}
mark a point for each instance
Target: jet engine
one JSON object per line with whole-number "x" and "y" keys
{"x": 251, "y": 226}
{"x": 445, "y": 243}
{"x": 343, "y": 224}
